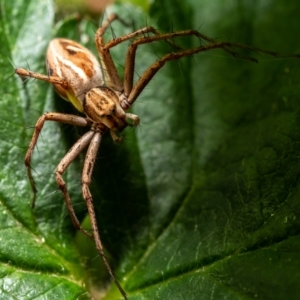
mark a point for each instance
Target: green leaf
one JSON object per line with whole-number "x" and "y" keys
{"x": 201, "y": 201}
{"x": 38, "y": 259}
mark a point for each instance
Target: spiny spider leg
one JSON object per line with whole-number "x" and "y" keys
{"x": 111, "y": 73}
{"x": 61, "y": 118}
{"x": 86, "y": 181}
{"x": 76, "y": 149}
{"x": 156, "y": 66}
{"x": 52, "y": 79}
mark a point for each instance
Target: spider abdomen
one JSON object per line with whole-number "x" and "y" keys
{"x": 75, "y": 64}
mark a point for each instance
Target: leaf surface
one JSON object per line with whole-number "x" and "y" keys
{"x": 199, "y": 202}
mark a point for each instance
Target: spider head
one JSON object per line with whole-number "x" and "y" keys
{"x": 102, "y": 105}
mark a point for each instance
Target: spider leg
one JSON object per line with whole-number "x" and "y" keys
{"x": 226, "y": 47}
{"x": 131, "y": 52}
{"x": 86, "y": 181}
{"x": 156, "y": 66}
{"x": 56, "y": 117}
{"x": 151, "y": 71}
{"x": 76, "y": 149}
{"x": 52, "y": 79}
{"x": 110, "y": 72}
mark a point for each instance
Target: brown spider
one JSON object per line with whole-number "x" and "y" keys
{"x": 103, "y": 98}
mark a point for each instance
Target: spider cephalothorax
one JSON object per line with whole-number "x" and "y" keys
{"x": 103, "y": 105}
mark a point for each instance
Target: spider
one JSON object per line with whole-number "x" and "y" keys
{"x": 103, "y": 98}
